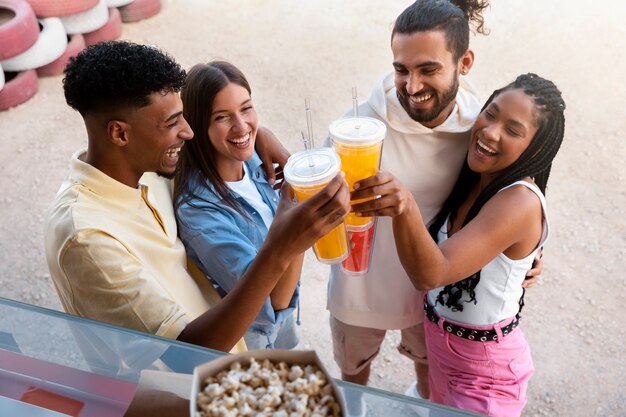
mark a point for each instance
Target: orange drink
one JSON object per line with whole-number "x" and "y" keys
{"x": 358, "y": 141}
{"x": 308, "y": 172}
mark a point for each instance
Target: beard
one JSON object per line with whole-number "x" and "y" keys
{"x": 440, "y": 102}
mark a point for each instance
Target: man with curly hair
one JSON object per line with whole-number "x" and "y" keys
{"x": 110, "y": 235}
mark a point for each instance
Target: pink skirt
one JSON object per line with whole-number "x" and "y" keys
{"x": 486, "y": 377}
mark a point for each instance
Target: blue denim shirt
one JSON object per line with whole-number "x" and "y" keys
{"x": 223, "y": 243}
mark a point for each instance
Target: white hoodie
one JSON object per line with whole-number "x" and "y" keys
{"x": 428, "y": 162}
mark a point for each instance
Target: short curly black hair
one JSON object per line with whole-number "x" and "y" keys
{"x": 110, "y": 75}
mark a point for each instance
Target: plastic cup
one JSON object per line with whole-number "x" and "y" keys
{"x": 358, "y": 141}
{"x": 308, "y": 172}
{"x": 361, "y": 243}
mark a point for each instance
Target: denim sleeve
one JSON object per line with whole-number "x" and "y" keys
{"x": 214, "y": 240}
{"x": 293, "y": 303}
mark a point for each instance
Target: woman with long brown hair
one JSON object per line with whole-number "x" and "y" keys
{"x": 223, "y": 201}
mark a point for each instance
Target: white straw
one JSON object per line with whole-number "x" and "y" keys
{"x": 355, "y": 111}
{"x": 309, "y": 122}
{"x": 305, "y": 141}
{"x": 307, "y": 148}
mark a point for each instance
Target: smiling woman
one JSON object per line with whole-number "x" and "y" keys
{"x": 502, "y": 133}
{"x": 493, "y": 222}
{"x": 232, "y": 131}
{"x": 224, "y": 203}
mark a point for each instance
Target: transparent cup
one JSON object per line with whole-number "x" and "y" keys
{"x": 361, "y": 243}
{"x": 308, "y": 172}
{"x": 358, "y": 141}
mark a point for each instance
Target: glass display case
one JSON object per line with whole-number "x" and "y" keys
{"x": 54, "y": 364}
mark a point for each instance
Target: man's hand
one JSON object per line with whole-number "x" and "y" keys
{"x": 296, "y": 227}
{"x": 391, "y": 197}
{"x": 271, "y": 151}
{"x": 535, "y": 273}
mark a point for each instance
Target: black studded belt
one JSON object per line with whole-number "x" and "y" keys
{"x": 470, "y": 334}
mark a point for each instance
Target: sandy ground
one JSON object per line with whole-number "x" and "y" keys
{"x": 320, "y": 49}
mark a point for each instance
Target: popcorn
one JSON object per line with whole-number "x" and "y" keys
{"x": 264, "y": 388}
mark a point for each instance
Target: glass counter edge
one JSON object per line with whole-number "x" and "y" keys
{"x": 343, "y": 384}
{"x": 111, "y": 327}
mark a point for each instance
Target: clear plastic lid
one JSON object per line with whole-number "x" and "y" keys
{"x": 357, "y": 131}
{"x": 313, "y": 167}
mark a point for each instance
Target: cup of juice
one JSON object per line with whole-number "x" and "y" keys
{"x": 358, "y": 141}
{"x": 361, "y": 243}
{"x": 308, "y": 172}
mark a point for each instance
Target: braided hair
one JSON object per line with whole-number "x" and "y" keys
{"x": 535, "y": 162}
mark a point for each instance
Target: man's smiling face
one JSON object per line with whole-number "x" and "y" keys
{"x": 426, "y": 76}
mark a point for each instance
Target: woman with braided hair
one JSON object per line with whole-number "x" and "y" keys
{"x": 475, "y": 255}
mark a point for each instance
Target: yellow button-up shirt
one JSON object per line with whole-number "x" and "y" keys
{"x": 114, "y": 254}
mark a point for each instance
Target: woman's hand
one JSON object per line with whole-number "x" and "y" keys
{"x": 296, "y": 227}
{"x": 271, "y": 151}
{"x": 391, "y": 197}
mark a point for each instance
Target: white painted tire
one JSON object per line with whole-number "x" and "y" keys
{"x": 118, "y": 3}
{"x": 89, "y": 21}
{"x": 49, "y": 46}
{"x": 1, "y": 78}
{"x": 75, "y": 44}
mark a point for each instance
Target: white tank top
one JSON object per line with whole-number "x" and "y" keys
{"x": 500, "y": 287}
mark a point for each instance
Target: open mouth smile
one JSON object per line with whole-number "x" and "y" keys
{"x": 419, "y": 99}
{"x": 173, "y": 152}
{"x": 240, "y": 142}
{"x": 484, "y": 149}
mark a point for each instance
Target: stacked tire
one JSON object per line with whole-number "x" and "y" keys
{"x": 18, "y": 34}
{"x": 139, "y": 9}
{"x": 38, "y": 37}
